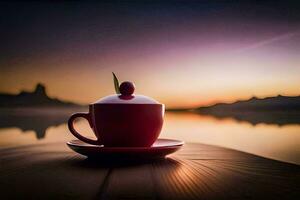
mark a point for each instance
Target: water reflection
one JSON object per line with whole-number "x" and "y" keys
{"x": 38, "y": 123}
{"x": 277, "y": 118}
{"x": 276, "y": 140}
{"x": 34, "y": 119}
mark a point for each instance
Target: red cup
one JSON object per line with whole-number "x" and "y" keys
{"x": 124, "y": 124}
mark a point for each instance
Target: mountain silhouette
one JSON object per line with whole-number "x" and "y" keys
{"x": 37, "y": 98}
{"x": 278, "y": 103}
{"x": 280, "y": 110}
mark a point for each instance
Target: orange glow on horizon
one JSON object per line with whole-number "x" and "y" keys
{"x": 182, "y": 78}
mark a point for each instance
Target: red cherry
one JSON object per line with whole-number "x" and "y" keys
{"x": 127, "y": 88}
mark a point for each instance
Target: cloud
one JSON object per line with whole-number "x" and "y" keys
{"x": 269, "y": 41}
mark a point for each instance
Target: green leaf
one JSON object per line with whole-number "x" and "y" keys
{"x": 116, "y": 83}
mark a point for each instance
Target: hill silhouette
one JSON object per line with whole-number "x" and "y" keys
{"x": 278, "y": 103}
{"x": 37, "y": 98}
{"x": 280, "y": 110}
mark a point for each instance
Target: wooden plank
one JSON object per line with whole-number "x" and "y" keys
{"x": 130, "y": 182}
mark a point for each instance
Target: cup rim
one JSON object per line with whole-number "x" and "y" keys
{"x": 126, "y": 104}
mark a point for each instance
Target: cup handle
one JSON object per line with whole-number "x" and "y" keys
{"x": 75, "y": 133}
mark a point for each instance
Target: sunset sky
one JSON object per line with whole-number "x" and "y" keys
{"x": 183, "y": 54}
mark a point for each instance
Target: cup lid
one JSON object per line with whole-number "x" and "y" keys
{"x": 126, "y": 99}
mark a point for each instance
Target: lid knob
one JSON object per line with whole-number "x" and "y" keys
{"x": 127, "y": 88}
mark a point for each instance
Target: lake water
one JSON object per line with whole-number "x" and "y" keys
{"x": 280, "y": 142}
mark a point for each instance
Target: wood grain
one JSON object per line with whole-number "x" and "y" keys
{"x": 52, "y": 171}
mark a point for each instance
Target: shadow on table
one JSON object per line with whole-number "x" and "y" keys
{"x": 134, "y": 179}
{"x": 119, "y": 163}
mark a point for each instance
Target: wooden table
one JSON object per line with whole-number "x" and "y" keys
{"x": 52, "y": 171}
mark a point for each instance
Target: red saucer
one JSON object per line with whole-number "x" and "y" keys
{"x": 159, "y": 149}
